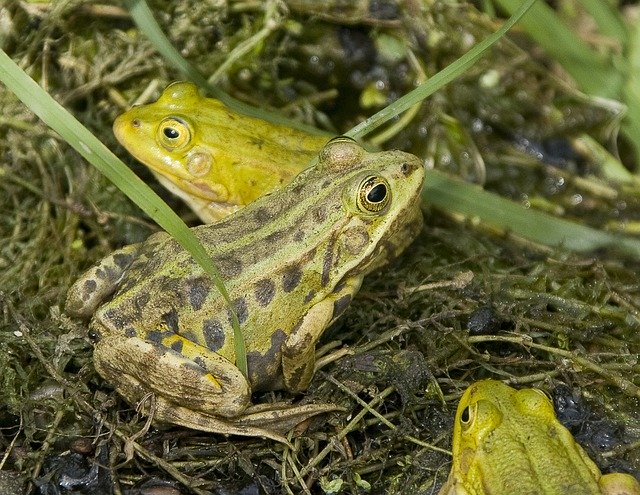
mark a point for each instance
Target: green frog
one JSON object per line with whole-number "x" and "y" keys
{"x": 291, "y": 262}
{"x": 508, "y": 442}
{"x": 216, "y": 160}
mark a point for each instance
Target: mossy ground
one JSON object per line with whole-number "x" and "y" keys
{"x": 461, "y": 304}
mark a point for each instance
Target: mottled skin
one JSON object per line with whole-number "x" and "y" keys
{"x": 508, "y": 442}
{"x": 214, "y": 159}
{"x": 291, "y": 263}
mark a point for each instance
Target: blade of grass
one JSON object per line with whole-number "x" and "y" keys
{"x": 440, "y": 79}
{"x": 85, "y": 143}
{"x": 608, "y": 19}
{"x": 594, "y": 74}
{"x": 631, "y": 91}
{"x": 143, "y": 17}
{"x": 454, "y": 195}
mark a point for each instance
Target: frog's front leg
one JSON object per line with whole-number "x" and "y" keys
{"x": 194, "y": 379}
{"x": 298, "y": 351}
{"x": 99, "y": 282}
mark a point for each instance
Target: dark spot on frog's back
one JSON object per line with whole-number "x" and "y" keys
{"x": 340, "y": 305}
{"x": 155, "y": 336}
{"x": 123, "y": 260}
{"x": 229, "y": 266}
{"x": 198, "y": 289}
{"x": 177, "y": 346}
{"x": 310, "y": 295}
{"x": 213, "y": 334}
{"x": 319, "y": 214}
{"x": 264, "y": 291}
{"x": 291, "y": 278}
{"x": 264, "y": 369}
{"x": 241, "y": 310}
{"x": 141, "y": 300}
{"x": 262, "y": 215}
{"x": 106, "y": 272}
{"x": 116, "y": 319}
{"x": 88, "y": 288}
{"x": 170, "y": 319}
{"x": 274, "y": 237}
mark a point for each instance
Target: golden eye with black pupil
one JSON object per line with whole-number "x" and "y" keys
{"x": 374, "y": 194}
{"x": 465, "y": 416}
{"x": 173, "y": 133}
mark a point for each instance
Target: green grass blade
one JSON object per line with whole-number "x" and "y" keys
{"x": 631, "y": 91}
{"x": 440, "y": 79}
{"x": 143, "y": 17}
{"x": 594, "y": 74}
{"x": 607, "y": 18}
{"x": 85, "y": 143}
{"x": 454, "y": 195}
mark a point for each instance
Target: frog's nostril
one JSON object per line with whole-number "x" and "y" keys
{"x": 135, "y": 123}
{"x": 405, "y": 168}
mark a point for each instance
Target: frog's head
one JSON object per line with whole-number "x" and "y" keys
{"x": 375, "y": 199}
{"x": 166, "y": 136}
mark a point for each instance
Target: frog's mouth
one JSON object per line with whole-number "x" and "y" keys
{"x": 193, "y": 191}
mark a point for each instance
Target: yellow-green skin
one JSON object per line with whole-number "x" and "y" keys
{"x": 214, "y": 159}
{"x": 509, "y": 442}
{"x": 291, "y": 263}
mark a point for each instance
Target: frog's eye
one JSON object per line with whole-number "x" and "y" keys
{"x": 374, "y": 194}
{"x": 173, "y": 133}
{"x": 465, "y": 416}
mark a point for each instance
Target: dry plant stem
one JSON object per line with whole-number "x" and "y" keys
{"x": 618, "y": 380}
{"x": 76, "y": 394}
{"x": 292, "y": 463}
{"x": 330, "y": 358}
{"x": 574, "y": 305}
{"x": 362, "y": 403}
{"x": 622, "y": 449}
{"x": 346, "y": 430}
{"x": 45, "y": 447}
{"x": 381, "y": 418}
{"x": 271, "y": 23}
{"x": 11, "y": 445}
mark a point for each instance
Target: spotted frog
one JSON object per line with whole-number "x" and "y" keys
{"x": 216, "y": 160}
{"x": 508, "y": 441}
{"x": 291, "y": 262}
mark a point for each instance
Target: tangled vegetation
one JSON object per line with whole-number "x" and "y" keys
{"x": 469, "y": 300}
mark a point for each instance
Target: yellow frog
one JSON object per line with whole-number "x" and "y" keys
{"x": 214, "y": 159}
{"x": 509, "y": 442}
{"x": 291, "y": 262}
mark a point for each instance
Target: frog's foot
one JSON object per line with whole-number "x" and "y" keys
{"x": 99, "y": 282}
{"x": 280, "y": 416}
{"x": 619, "y": 484}
{"x": 168, "y": 412}
{"x": 266, "y": 420}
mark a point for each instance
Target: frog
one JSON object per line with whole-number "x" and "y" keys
{"x": 291, "y": 263}
{"x": 214, "y": 159}
{"x": 508, "y": 441}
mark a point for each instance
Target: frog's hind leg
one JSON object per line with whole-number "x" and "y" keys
{"x": 176, "y": 370}
{"x": 99, "y": 282}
